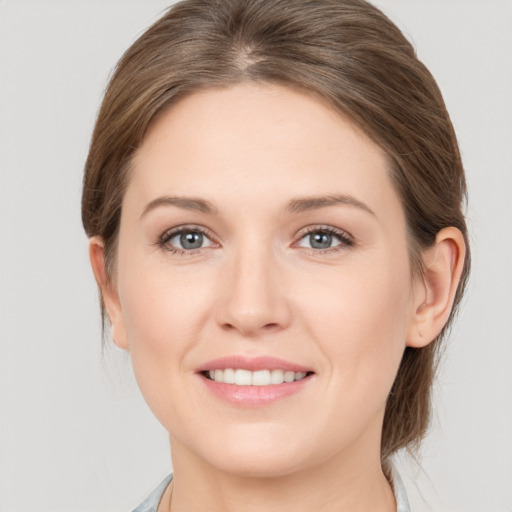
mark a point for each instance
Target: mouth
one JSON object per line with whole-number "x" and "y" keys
{"x": 265, "y": 377}
{"x": 254, "y": 381}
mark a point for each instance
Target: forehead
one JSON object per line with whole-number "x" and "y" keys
{"x": 253, "y": 141}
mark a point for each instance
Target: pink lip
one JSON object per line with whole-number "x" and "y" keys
{"x": 252, "y": 364}
{"x": 253, "y": 396}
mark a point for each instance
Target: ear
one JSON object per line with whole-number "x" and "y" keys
{"x": 108, "y": 292}
{"x": 434, "y": 296}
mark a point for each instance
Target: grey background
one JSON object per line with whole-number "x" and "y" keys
{"x": 75, "y": 435}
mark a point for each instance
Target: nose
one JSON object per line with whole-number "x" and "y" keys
{"x": 252, "y": 294}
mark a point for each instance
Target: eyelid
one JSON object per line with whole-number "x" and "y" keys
{"x": 170, "y": 233}
{"x": 346, "y": 238}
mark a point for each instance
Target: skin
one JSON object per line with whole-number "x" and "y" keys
{"x": 257, "y": 287}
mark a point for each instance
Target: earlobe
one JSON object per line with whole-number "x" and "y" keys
{"x": 108, "y": 292}
{"x": 443, "y": 265}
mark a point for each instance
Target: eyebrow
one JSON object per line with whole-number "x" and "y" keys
{"x": 305, "y": 204}
{"x": 187, "y": 203}
{"x": 298, "y": 205}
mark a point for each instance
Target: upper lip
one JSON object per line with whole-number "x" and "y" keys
{"x": 252, "y": 364}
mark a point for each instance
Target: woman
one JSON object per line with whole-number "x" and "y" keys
{"x": 273, "y": 197}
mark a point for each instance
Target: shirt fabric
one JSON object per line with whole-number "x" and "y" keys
{"x": 150, "y": 504}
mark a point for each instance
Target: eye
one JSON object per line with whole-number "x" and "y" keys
{"x": 325, "y": 239}
{"x": 185, "y": 240}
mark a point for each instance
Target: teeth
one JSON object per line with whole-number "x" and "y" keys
{"x": 229, "y": 376}
{"x": 259, "y": 378}
{"x": 242, "y": 377}
{"x": 289, "y": 376}
{"x": 276, "y": 377}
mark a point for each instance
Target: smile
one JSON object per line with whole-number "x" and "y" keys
{"x": 243, "y": 381}
{"x": 241, "y": 377}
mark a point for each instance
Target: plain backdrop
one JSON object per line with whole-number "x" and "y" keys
{"x": 75, "y": 434}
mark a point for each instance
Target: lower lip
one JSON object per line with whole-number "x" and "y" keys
{"x": 254, "y": 396}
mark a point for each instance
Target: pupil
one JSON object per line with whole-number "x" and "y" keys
{"x": 321, "y": 240}
{"x": 191, "y": 240}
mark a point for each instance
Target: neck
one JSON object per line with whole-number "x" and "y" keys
{"x": 342, "y": 483}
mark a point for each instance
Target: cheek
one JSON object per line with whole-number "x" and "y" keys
{"x": 359, "y": 318}
{"x": 164, "y": 314}
{"x": 161, "y": 310}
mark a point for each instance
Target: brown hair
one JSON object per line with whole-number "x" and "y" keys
{"x": 344, "y": 51}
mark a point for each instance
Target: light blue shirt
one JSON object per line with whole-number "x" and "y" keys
{"x": 150, "y": 504}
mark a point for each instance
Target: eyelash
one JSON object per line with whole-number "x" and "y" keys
{"x": 346, "y": 240}
{"x": 167, "y": 236}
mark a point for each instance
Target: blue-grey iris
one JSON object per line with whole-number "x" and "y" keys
{"x": 320, "y": 240}
{"x": 191, "y": 240}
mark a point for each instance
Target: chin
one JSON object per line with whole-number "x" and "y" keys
{"x": 259, "y": 454}
{"x": 261, "y": 465}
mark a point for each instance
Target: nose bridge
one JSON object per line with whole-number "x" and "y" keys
{"x": 254, "y": 297}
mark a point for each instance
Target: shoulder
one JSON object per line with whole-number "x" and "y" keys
{"x": 150, "y": 504}
{"x": 402, "y": 503}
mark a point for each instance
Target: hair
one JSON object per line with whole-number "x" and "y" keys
{"x": 346, "y": 52}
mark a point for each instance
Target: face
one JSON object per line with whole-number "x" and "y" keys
{"x": 263, "y": 285}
